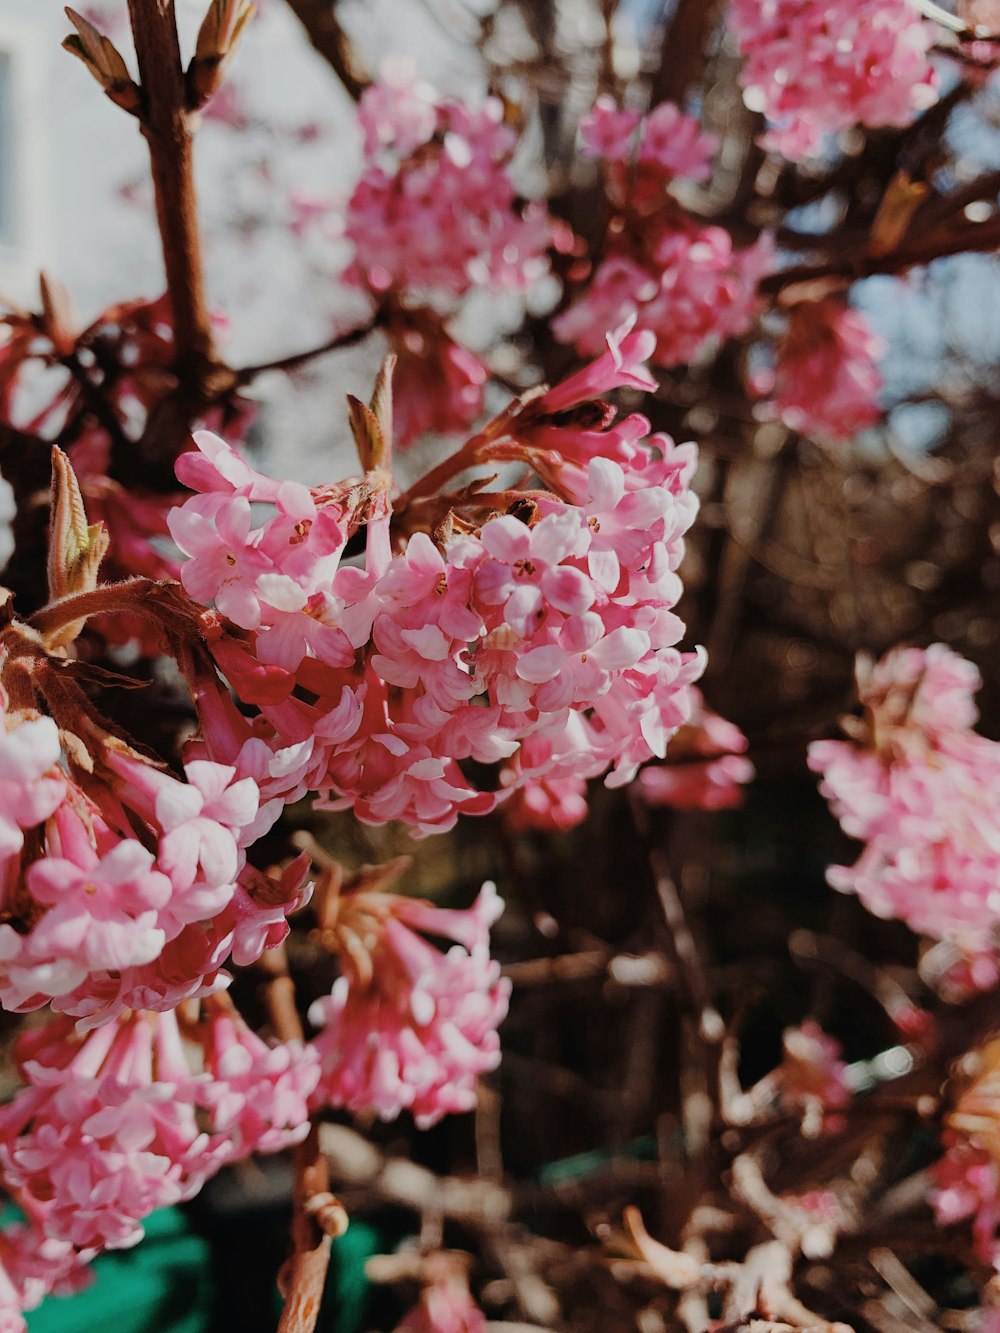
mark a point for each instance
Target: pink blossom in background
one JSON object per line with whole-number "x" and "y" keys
{"x": 826, "y": 381}
{"x": 438, "y": 383}
{"x": 814, "y": 67}
{"x": 966, "y": 1184}
{"x": 921, "y": 791}
{"x": 683, "y": 782}
{"x": 445, "y": 1306}
{"x": 685, "y": 282}
{"x": 435, "y": 208}
{"x": 408, "y": 1027}
{"x": 550, "y": 805}
{"x": 812, "y": 1068}
{"x": 607, "y": 131}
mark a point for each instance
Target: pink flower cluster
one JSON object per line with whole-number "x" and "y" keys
{"x": 125, "y": 887}
{"x": 114, "y": 1124}
{"x": 707, "y": 768}
{"x": 826, "y": 380}
{"x": 433, "y": 216}
{"x": 921, "y": 790}
{"x": 406, "y": 1026}
{"x": 546, "y": 633}
{"x": 435, "y": 209}
{"x": 815, "y": 67}
{"x": 684, "y": 281}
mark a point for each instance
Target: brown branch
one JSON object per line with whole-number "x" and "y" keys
{"x": 982, "y": 236}
{"x": 296, "y": 359}
{"x": 682, "y": 53}
{"x": 304, "y": 1276}
{"x": 318, "y": 1217}
{"x": 326, "y": 33}
{"x": 166, "y": 126}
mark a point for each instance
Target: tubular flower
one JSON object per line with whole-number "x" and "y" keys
{"x": 707, "y": 769}
{"x": 256, "y": 1095}
{"x": 445, "y": 1306}
{"x": 921, "y": 790}
{"x": 105, "y": 1131}
{"x": 406, "y": 1026}
{"x": 826, "y": 380}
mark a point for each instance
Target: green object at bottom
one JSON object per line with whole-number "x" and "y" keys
{"x": 162, "y": 1285}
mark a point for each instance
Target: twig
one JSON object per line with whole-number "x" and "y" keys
{"x": 166, "y": 126}
{"x": 962, "y": 30}
{"x": 292, "y": 362}
{"x": 304, "y": 1276}
{"x": 692, "y": 971}
{"x": 326, "y": 33}
{"x": 980, "y": 236}
{"x": 317, "y": 1216}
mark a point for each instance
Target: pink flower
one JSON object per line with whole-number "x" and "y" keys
{"x": 683, "y": 782}
{"x": 32, "y": 1266}
{"x": 406, "y": 1026}
{"x": 815, "y": 68}
{"x": 826, "y": 380}
{"x": 103, "y": 914}
{"x": 673, "y": 142}
{"x": 967, "y": 1184}
{"x": 607, "y": 131}
{"x": 105, "y": 1131}
{"x": 438, "y": 383}
{"x": 920, "y": 789}
{"x": 31, "y": 785}
{"x": 445, "y": 1306}
{"x": 223, "y": 565}
{"x": 685, "y": 283}
{"x": 256, "y": 1095}
{"x": 812, "y": 1070}
{"x": 551, "y": 805}
{"x": 436, "y": 209}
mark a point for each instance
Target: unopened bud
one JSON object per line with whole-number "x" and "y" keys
{"x": 104, "y": 61}
{"x": 76, "y": 548}
{"x": 59, "y": 317}
{"x": 218, "y": 38}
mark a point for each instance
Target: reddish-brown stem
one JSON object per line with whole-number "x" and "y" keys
{"x": 469, "y": 455}
{"x": 166, "y": 126}
{"x": 279, "y": 995}
{"x": 682, "y": 49}
{"x": 148, "y": 597}
{"x": 304, "y": 1275}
